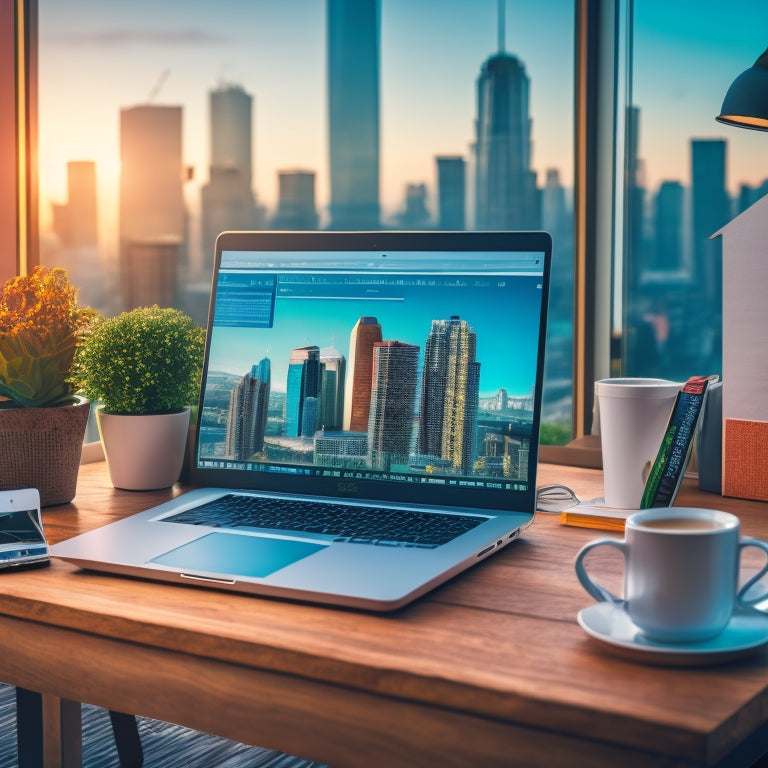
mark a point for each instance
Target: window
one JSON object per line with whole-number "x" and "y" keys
{"x": 162, "y": 124}
{"x": 684, "y": 177}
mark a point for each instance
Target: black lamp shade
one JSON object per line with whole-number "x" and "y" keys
{"x": 746, "y": 103}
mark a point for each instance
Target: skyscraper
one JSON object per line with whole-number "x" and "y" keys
{"x": 505, "y": 194}
{"x": 247, "y": 419}
{"x": 77, "y": 227}
{"x": 353, "y": 112}
{"x": 461, "y": 397}
{"x": 415, "y": 215}
{"x": 302, "y": 392}
{"x": 152, "y": 214}
{"x": 555, "y": 217}
{"x": 451, "y": 192}
{"x": 433, "y": 384}
{"x": 668, "y": 229}
{"x": 296, "y": 205}
{"x": 357, "y": 389}
{"x": 449, "y": 394}
{"x": 151, "y": 200}
{"x": 227, "y": 199}
{"x": 634, "y": 204}
{"x": 393, "y": 397}
{"x": 332, "y": 373}
{"x": 710, "y": 209}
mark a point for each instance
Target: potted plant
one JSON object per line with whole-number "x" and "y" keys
{"x": 144, "y": 368}
{"x": 42, "y": 420}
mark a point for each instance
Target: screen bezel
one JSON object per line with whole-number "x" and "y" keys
{"x": 380, "y": 243}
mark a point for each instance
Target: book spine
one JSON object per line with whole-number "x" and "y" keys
{"x": 667, "y": 472}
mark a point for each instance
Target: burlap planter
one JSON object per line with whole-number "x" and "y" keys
{"x": 40, "y": 448}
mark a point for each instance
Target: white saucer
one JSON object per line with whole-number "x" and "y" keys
{"x": 610, "y": 624}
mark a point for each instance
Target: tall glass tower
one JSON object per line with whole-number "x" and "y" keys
{"x": 451, "y": 172}
{"x": 505, "y": 191}
{"x": 668, "y": 227}
{"x": 353, "y": 112}
{"x": 710, "y": 210}
{"x": 332, "y": 373}
{"x": 301, "y": 398}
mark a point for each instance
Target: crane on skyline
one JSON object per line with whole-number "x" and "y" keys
{"x": 158, "y": 85}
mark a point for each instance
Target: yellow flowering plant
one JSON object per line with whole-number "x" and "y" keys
{"x": 41, "y": 325}
{"x": 146, "y": 361}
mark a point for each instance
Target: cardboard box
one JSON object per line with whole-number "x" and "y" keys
{"x": 745, "y": 353}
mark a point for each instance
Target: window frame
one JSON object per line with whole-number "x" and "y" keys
{"x": 19, "y": 241}
{"x": 595, "y": 85}
{"x": 595, "y": 143}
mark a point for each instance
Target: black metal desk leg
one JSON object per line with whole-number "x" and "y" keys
{"x": 29, "y": 728}
{"x": 127, "y": 740}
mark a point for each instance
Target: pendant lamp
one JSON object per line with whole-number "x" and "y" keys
{"x": 746, "y": 103}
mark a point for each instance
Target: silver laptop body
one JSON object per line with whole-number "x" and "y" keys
{"x": 368, "y": 421}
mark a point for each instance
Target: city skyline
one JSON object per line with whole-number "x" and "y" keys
{"x": 435, "y": 63}
{"x": 215, "y": 50}
{"x": 439, "y": 392}
{"x": 301, "y": 322}
{"x": 290, "y": 120}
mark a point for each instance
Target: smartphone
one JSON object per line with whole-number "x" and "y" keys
{"x": 22, "y": 540}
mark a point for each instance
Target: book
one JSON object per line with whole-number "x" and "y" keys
{"x": 593, "y": 514}
{"x": 668, "y": 469}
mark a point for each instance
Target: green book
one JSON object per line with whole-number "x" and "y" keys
{"x": 669, "y": 467}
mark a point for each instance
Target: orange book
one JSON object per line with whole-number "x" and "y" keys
{"x": 745, "y": 459}
{"x": 596, "y": 516}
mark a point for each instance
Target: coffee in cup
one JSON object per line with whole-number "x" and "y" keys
{"x": 681, "y": 524}
{"x": 681, "y": 567}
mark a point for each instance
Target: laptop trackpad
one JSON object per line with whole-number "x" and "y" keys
{"x": 236, "y": 554}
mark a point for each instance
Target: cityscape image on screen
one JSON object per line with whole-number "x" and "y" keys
{"x": 399, "y": 376}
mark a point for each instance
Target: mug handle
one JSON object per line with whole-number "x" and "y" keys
{"x": 747, "y": 541}
{"x": 600, "y": 593}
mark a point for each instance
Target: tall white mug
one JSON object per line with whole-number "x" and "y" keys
{"x": 633, "y": 417}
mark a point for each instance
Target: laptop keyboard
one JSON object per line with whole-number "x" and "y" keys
{"x": 353, "y": 524}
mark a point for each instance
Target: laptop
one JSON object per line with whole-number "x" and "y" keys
{"x": 368, "y": 421}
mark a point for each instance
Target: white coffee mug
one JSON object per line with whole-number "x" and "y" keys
{"x": 633, "y": 417}
{"x": 681, "y": 570}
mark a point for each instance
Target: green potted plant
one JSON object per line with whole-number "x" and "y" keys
{"x": 42, "y": 420}
{"x": 144, "y": 368}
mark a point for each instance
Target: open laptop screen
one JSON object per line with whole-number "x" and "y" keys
{"x": 383, "y": 372}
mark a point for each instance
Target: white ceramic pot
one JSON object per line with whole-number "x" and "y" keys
{"x": 143, "y": 452}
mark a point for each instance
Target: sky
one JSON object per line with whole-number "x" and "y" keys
{"x": 686, "y": 54}
{"x": 97, "y": 56}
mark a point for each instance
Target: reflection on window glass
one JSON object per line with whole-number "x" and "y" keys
{"x": 163, "y": 124}
{"x": 685, "y": 177}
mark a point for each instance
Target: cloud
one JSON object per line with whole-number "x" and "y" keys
{"x": 145, "y": 37}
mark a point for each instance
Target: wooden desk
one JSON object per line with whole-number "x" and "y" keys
{"x": 489, "y": 670}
